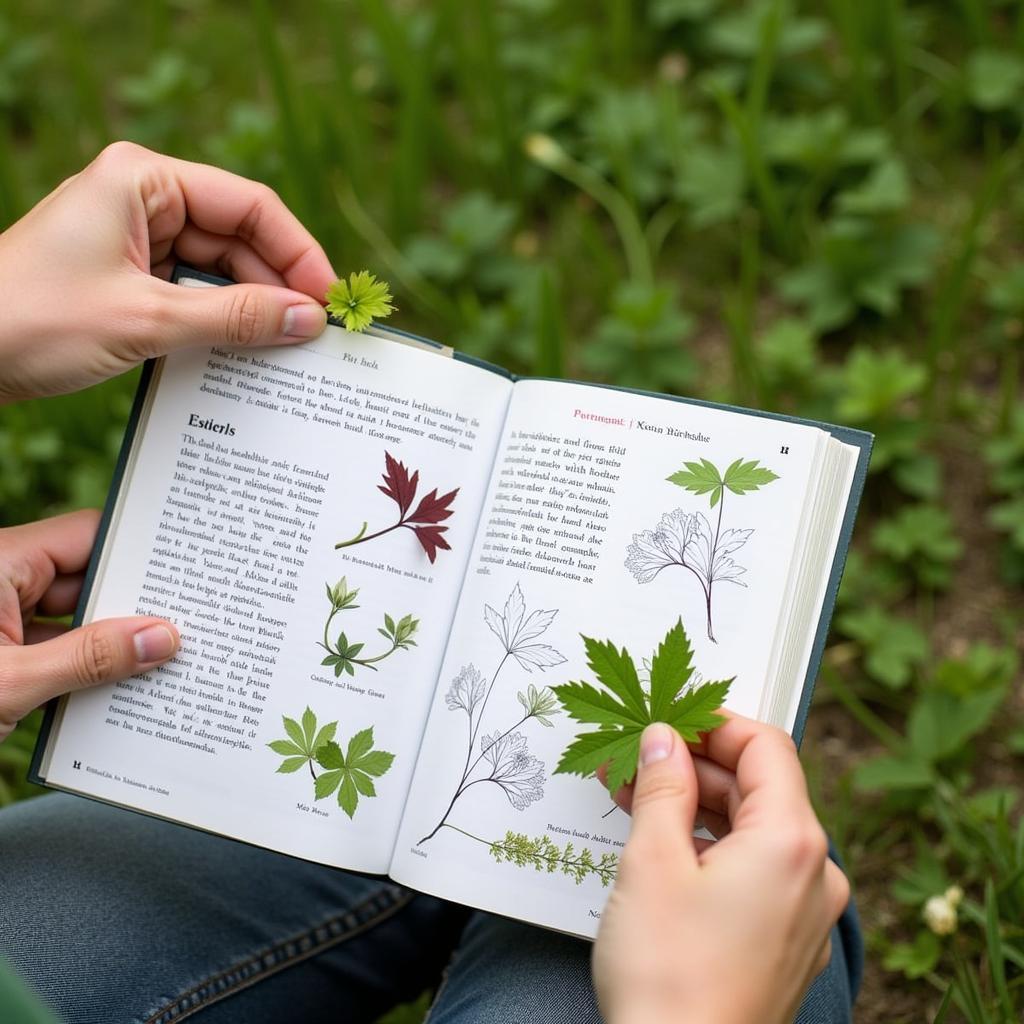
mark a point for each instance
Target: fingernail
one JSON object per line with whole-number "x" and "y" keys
{"x": 306, "y": 320}
{"x": 154, "y": 643}
{"x": 656, "y": 743}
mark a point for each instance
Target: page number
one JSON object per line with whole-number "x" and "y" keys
{"x": 784, "y": 450}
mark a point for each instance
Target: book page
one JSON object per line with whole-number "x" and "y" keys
{"x": 304, "y": 515}
{"x": 581, "y": 534}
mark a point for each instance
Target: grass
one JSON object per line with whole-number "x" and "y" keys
{"x": 809, "y": 207}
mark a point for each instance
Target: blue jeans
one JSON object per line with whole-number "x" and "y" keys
{"x": 114, "y": 917}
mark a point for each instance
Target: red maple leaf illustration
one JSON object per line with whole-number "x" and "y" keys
{"x": 433, "y": 509}
{"x": 431, "y": 538}
{"x": 398, "y": 485}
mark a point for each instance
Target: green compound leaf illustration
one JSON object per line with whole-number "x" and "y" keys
{"x": 703, "y": 478}
{"x": 303, "y": 741}
{"x": 359, "y": 301}
{"x": 342, "y": 654}
{"x": 622, "y": 709}
{"x": 742, "y": 476}
{"x": 351, "y": 773}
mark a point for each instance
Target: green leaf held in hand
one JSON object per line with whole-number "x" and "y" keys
{"x": 359, "y": 301}
{"x": 622, "y": 709}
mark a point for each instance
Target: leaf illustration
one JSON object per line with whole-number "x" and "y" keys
{"x": 622, "y": 709}
{"x": 742, "y": 476}
{"x": 433, "y": 509}
{"x": 349, "y": 773}
{"x": 431, "y": 539}
{"x": 303, "y": 741}
{"x": 398, "y": 485}
{"x": 401, "y": 488}
{"x": 466, "y": 691}
{"x": 514, "y": 628}
{"x": 700, "y": 478}
{"x": 539, "y": 704}
{"x": 519, "y": 774}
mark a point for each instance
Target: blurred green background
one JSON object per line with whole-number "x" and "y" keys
{"x": 812, "y": 208}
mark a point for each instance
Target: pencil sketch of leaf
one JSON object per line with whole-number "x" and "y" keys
{"x": 467, "y": 690}
{"x": 665, "y": 545}
{"x": 514, "y": 768}
{"x": 514, "y": 628}
{"x": 540, "y": 704}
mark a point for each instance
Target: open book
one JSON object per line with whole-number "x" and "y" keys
{"x": 381, "y": 554}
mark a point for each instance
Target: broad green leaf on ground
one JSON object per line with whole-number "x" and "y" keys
{"x": 915, "y": 959}
{"x": 923, "y": 539}
{"x": 892, "y": 646}
{"x": 622, "y": 709}
{"x": 351, "y": 773}
{"x": 995, "y": 79}
{"x": 886, "y": 189}
{"x": 304, "y": 740}
{"x": 894, "y": 773}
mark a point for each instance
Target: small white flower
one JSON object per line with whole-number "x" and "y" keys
{"x": 940, "y": 915}
{"x": 543, "y": 149}
{"x": 954, "y": 896}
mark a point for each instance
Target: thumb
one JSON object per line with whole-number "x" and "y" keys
{"x": 102, "y": 652}
{"x": 665, "y": 792}
{"x": 237, "y": 314}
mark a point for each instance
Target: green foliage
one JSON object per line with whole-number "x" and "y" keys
{"x": 892, "y": 646}
{"x": 995, "y": 79}
{"x": 860, "y": 264}
{"x": 623, "y": 708}
{"x": 920, "y": 538}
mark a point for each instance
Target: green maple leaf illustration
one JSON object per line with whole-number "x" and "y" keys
{"x": 351, "y": 774}
{"x": 622, "y": 709}
{"x": 303, "y": 741}
{"x": 703, "y": 478}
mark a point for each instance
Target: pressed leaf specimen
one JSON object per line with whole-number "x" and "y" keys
{"x": 423, "y": 520}
{"x": 504, "y": 759}
{"x": 622, "y": 708}
{"x": 686, "y": 539}
{"x": 349, "y": 774}
{"x": 343, "y": 654}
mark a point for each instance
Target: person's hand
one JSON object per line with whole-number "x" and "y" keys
{"x": 41, "y": 569}
{"x": 732, "y": 931}
{"x": 82, "y": 273}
